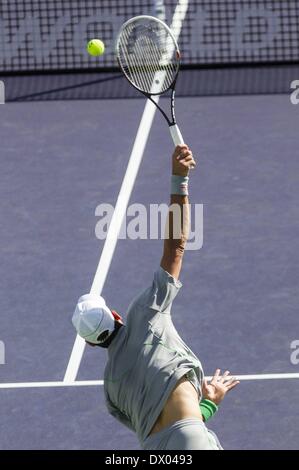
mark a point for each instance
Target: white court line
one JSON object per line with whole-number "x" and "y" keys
{"x": 122, "y": 202}
{"x": 78, "y": 383}
{"x": 114, "y": 228}
{"x": 92, "y": 383}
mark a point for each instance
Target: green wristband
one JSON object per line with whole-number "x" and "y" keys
{"x": 208, "y": 408}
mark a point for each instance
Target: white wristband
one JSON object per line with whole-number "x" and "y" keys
{"x": 179, "y": 185}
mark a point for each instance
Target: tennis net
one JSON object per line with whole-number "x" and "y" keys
{"x": 49, "y": 36}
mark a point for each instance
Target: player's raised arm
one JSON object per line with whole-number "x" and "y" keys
{"x": 177, "y": 230}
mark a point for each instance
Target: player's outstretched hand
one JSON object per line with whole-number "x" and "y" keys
{"x": 182, "y": 160}
{"x": 217, "y": 388}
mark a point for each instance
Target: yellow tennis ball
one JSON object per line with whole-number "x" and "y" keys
{"x": 95, "y": 47}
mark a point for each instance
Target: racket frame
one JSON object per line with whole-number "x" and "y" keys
{"x": 173, "y": 127}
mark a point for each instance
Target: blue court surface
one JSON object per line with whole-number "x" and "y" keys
{"x": 238, "y": 308}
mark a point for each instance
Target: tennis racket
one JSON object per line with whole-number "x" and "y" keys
{"x": 149, "y": 57}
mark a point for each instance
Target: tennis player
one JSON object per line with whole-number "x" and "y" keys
{"x": 153, "y": 382}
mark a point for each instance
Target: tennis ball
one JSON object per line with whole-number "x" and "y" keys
{"x": 95, "y": 47}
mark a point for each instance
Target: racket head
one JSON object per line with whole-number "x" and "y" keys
{"x": 148, "y": 54}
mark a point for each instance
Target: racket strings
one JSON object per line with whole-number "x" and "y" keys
{"x": 148, "y": 57}
{"x": 151, "y": 61}
{"x": 141, "y": 62}
{"x": 146, "y": 61}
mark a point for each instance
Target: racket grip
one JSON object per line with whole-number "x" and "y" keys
{"x": 176, "y": 135}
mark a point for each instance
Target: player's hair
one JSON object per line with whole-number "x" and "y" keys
{"x": 103, "y": 336}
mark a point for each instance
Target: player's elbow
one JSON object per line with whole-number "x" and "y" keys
{"x": 173, "y": 256}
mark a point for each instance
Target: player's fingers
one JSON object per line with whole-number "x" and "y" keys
{"x": 180, "y": 148}
{"x": 189, "y": 162}
{"x": 228, "y": 380}
{"x": 184, "y": 154}
{"x": 216, "y": 375}
{"x": 233, "y": 385}
{"x": 204, "y": 384}
{"x": 223, "y": 378}
{"x": 192, "y": 164}
{"x": 189, "y": 165}
{"x": 187, "y": 158}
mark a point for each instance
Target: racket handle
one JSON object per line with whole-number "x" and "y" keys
{"x": 176, "y": 135}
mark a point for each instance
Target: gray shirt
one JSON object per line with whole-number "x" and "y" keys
{"x": 147, "y": 358}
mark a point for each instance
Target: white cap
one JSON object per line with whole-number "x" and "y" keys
{"x": 92, "y": 317}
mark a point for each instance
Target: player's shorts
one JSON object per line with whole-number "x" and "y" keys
{"x": 187, "y": 434}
